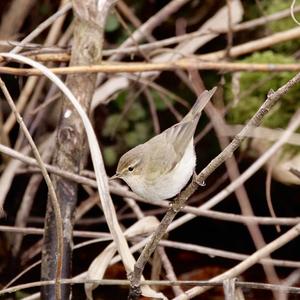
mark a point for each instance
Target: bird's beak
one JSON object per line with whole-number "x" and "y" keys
{"x": 114, "y": 177}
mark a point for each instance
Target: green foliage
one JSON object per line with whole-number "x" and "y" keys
{"x": 269, "y": 7}
{"x": 114, "y": 123}
{"x": 160, "y": 104}
{"x": 21, "y": 295}
{"x": 110, "y": 155}
{"x": 132, "y": 127}
{"x": 255, "y": 87}
{"x": 112, "y": 23}
{"x": 128, "y": 128}
{"x": 282, "y": 25}
{"x": 137, "y": 112}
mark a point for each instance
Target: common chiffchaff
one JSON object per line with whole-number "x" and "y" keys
{"x": 161, "y": 167}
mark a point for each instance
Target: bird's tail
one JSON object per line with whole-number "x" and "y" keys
{"x": 199, "y": 105}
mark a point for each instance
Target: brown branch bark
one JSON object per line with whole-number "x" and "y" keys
{"x": 70, "y": 149}
{"x": 132, "y": 67}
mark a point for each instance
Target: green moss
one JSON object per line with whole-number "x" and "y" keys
{"x": 114, "y": 123}
{"x": 137, "y": 112}
{"x": 269, "y": 7}
{"x": 125, "y": 129}
{"x": 282, "y": 25}
{"x": 255, "y": 87}
{"x": 110, "y": 155}
{"x": 159, "y": 102}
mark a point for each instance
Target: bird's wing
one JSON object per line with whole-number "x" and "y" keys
{"x": 168, "y": 148}
{"x": 180, "y": 135}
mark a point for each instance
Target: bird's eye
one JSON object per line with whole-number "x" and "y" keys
{"x": 130, "y": 169}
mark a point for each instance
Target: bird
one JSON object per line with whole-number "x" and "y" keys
{"x": 162, "y": 166}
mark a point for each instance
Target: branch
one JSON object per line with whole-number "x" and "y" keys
{"x": 134, "y": 67}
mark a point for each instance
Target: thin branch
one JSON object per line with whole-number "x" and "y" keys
{"x": 135, "y": 67}
{"x": 123, "y": 282}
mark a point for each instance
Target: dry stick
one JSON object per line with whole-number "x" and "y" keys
{"x": 183, "y": 246}
{"x": 230, "y": 30}
{"x": 227, "y": 254}
{"x": 103, "y": 236}
{"x": 179, "y": 201}
{"x": 177, "y": 39}
{"x": 268, "y": 185}
{"x": 134, "y": 67}
{"x": 53, "y": 198}
{"x": 243, "y": 49}
{"x": 102, "y": 182}
{"x": 31, "y": 82}
{"x": 292, "y": 279}
{"x": 262, "y": 133}
{"x": 153, "y": 111}
{"x": 21, "y": 103}
{"x": 7, "y": 177}
{"x": 292, "y": 11}
{"x": 170, "y": 273}
{"x": 124, "y": 282}
{"x": 52, "y": 93}
{"x": 161, "y": 254}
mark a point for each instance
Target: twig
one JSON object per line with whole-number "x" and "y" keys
{"x": 123, "y": 282}
{"x": 153, "y": 111}
{"x": 268, "y": 185}
{"x": 230, "y": 30}
{"x": 134, "y": 67}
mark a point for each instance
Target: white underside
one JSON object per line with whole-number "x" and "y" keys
{"x": 169, "y": 185}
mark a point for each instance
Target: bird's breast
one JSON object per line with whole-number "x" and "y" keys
{"x": 166, "y": 185}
